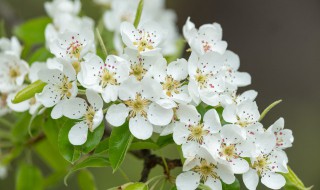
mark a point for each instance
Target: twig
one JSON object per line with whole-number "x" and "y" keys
{"x": 35, "y": 139}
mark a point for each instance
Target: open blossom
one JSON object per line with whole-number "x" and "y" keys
{"x": 104, "y": 77}
{"x": 145, "y": 39}
{"x": 236, "y": 99}
{"x": 10, "y": 46}
{"x": 12, "y": 72}
{"x": 61, "y": 85}
{"x": 90, "y": 116}
{"x": 207, "y": 39}
{"x": 32, "y": 104}
{"x": 139, "y": 107}
{"x": 57, "y": 7}
{"x": 284, "y": 137}
{"x": 267, "y": 167}
{"x": 203, "y": 168}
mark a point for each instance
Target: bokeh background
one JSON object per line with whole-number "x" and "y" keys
{"x": 279, "y": 45}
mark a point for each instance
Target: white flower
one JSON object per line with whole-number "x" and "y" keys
{"x": 73, "y": 45}
{"x": 207, "y": 39}
{"x": 231, "y": 148}
{"x": 206, "y": 81}
{"x": 203, "y": 168}
{"x": 90, "y": 116}
{"x": 191, "y": 132}
{"x": 10, "y": 46}
{"x": 244, "y": 114}
{"x": 34, "y": 70}
{"x": 57, "y": 7}
{"x": 284, "y": 137}
{"x": 267, "y": 166}
{"x": 104, "y": 77}
{"x": 12, "y": 72}
{"x": 145, "y": 66}
{"x": 236, "y": 99}
{"x": 61, "y": 85}
{"x": 146, "y": 39}
{"x": 138, "y": 105}
{"x": 32, "y": 104}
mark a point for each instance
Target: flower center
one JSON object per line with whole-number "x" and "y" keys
{"x": 171, "y": 86}
{"x": 197, "y": 133}
{"x": 228, "y": 151}
{"x": 138, "y": 71}
{"x": 201, "y": 78}
{"x": 206, "y": 46}
{"x": 144, "y": 42}
{"x": 66, "y": 87}
{"x": 89, "y": 116}
{"x": 260, "y": 164}
{"x": 74, "y": 48}
{"x": 107, "y": 77}
{"x": 3, "y": 100}
{"x": 138, "y": 106}
{"x": 14, "y": 72}
{"x": 76, "y": 65}
{"x": 242, "y": 123}
{"x": 205, "y": 170}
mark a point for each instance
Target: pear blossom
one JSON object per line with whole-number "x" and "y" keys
{"x": 61, "y": 85}
{"x": 10, "y": 46}
{"x": 90, "y": 116}
{"x": 267, "y": 167}
{"x": 236, "y": 99}
{"x": 57, "y": 7}
{"x": 104, "y": 77}
{"x": 138, "y": 105}
{"x": 145, "y": 39}
{"x": 206, "y": 80}
{"x": 284, "y": 137}
{"x": 190, "y": 131}
{"x": 207, "y": 39}
{"x": 12, "y": 72}
{"x": 32, "y": 104}
{"x": 203, "y": 168}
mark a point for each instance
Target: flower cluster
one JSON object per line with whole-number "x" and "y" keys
{"x": 196, "y": 100}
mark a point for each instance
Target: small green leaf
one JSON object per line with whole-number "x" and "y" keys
{"x": 86, "y": 180}
{"x": 163, "y": 141}
{"x": 293, "y": 182}
{"x": 138, "y": 14}
{"x": 32, "y": 31}
{"x": 137, "y": 186}
{"x": 264, "y": 113}
{"x": 40, "y": 55}
{"x": 93, "y": 139}
{"x": 67, "y": 150}
{"x": 102, "y": 146}
{"x": 120, "y": 140}
{"x": 29, "y": 91}
{"x": 29, "y": 177}
{"x": 92, "y": 161}
{"x": 234, "y": 186}
{"x": 147, "y": 144}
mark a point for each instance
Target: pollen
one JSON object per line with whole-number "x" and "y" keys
{"x": 171, "y": 86}
{"x": 138, "y": 71}
{"x": 197, "y": 133}
{"x": 201, "y": 78}
{"x": 138, "y": 106}
{"x": 206, "y": 170}
{"x": 107, "y": 77}
{"x": 89, "y": 116}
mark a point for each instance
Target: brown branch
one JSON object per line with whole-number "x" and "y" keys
{"x": 35, "y": 139}
{"x": 152, "y": 160}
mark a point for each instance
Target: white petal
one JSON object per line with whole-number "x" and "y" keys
{"x": 251, "y": 179}
{"x": 193, "y": 91}
{"x": 94, "y": 99}
{"x": 247, "y": 95}
{"x": 20, "y": 107}
{"x": 78, "y": 134}
{"x": 233, "y": 133}
{"x": 74, "y": 108}
{"x": 188, "y": 181}
{"x": 50, "y": 75}
{"x": 188, "y": 114}
{"x": 168, "y": 129}
{"x": 265, "y": 142}
{"x": 277, "y": 126}
{"x": 117, "y": 114}
{"x": 151, "y": 89}
{"x": 239, "y": 166}
{"x": 242, "y": 79}
{"x": 273, "y": 180}
{"x": 211, "y": 120}
{"x": 158, "y": 115}
{"x": 34, "y": 70}
{"x": 129, "y": 88}
{"x": 57, "y": 110}
{"x": 229, "y": 114}
{"x": 180, "y": 133}
{"x": 178, "y": 69}
{"x": 110, "y": 93}
{"x": 166, "y": 103}
{"x": 97, "y": 119}
{"x": 214, "y": 184}
{"x": 225, "y": 174}
{"x": 140, "y": 127}
{"x": 49, "y": 96}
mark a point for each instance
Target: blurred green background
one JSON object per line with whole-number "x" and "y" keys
{"x": 279, "y": 45}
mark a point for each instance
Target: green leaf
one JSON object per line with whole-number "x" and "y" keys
{"x": 293, "y": 182}
{"x": 102, "y": 146}
{"x": 234, "y": 186}
{"x": 86, "y": 180}
{"x": 120, "y": 140}
{"x": 67, "y": 150}
{"x": 93, "y": 139}
{"x": 137, "y": 186}
{"x": 147, "y": 144}
{"x": 91, "y": 161}
{"x": 29, "y": 91}
{"x": 32, "y": 31}
{"x": 40, "y": 55}
{"x": 163, "y": 141}
{"x": 264, "y": 113}
{"x": 29, "y": 177}
{"x": 20, "y": 129}
{"x": 138, "y": 14}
